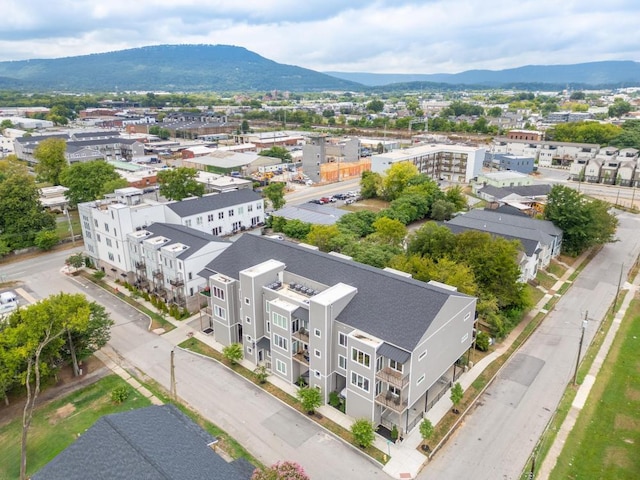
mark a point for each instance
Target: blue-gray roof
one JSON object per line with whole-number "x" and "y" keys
{"x": 393, "y": 308}
{"x": 194, "y": 239}
{"x": 311, "y": 213}
{"x": 152, "y": 443}
{"x": 207, "y": 203}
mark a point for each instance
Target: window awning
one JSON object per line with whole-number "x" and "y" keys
{"x": 394, "y": 353}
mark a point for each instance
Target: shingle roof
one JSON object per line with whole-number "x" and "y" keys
{"x": 529, "y": 246}
{"x": 207, "y": 203}
{"x": 153, "y": 443}
{"x": 395, "y": 309}
{"x": 514, "y": 221}
{"x": 194, "y": 239}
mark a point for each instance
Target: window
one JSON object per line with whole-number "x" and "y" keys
{"x": 395, "y": 366}
{"x": 191, "y": 291}
{"x": 240, "y": 210}
{"x": 220, "y": 215}
{"x": 279, "y": 320}
{"x": 464, "y": 338}
{"x": 210, "y": 217}
{"x": 190, "y": 276}
{"x": 281, "y": 367}
{"x": 268, "y": 307}
{"x": 249, "y": 208}
{"x": 467, "y": 316}
{"x": 111, "y": 256}
{"x": 248, "y": 319}
{"x": 106, "y": 227}
{"x": 98, "y": 237}
{"x": 95, "y": 222}
{"x": 108, "y": 241}
{"x": 280, "y": 342}
{"x": 316, "y": 332}
{"x": 359, "y": 381}
{"x": 422, "y": 355}
{"x": 378, "y": 388}
{"x": 420, "y": 380}
{"x": 268, "y": 327}
{"x": 219, "y": 312}
{"x": 342, "y": 339}
{"x": 360, "y": 357}
{"x": 342, "y": 362}
{"x": 218, "y": 293}
{"x": 198, "y": 220}
{"x": 316, "y": 373}
{"x": 247, "y": 301}
{"x": 115, "y": 232}
{"x": 259, "y": 206}
{"x": 379, "y": 364}
{"x": 231, "y": 212}
{"x": 249, "y": 350}
{"x": 317, "y": 353}
{"x": 216, "y": 231}
{"x": 187, "y": 223}
{"x": 249, "y": 338}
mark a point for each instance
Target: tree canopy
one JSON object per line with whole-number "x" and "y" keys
{"x": 274, "y": 192}
{"x": 277, "y": 152}
{"x": 86, "y": 181}
{"x": 50, "y": 154}
{"x": 179, "y": 183}
{"x": 584, "y": 222}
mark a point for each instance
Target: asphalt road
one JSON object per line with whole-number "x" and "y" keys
{"x": 269, "y": 429}
{"x": 497, "y": 438}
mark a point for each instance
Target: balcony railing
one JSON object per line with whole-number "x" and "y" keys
{"x": 140, "y": 265}
{"x": 158, "y": 274}
{"x": 302, "y": 357}
{"x": 302, "y": 335}
{"x": 393, "y": 377}
{"x": 176, "y": 282}
{"x": 392, "y": 401}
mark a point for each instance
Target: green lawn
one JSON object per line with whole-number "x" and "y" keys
{"x": 56, "y": 425}
{"x": 62, "y": 225}
{"x": 546, "y": 280}
{"x": 605, "y": 440}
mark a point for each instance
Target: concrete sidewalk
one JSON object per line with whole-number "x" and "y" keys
{"x": 406, "y": 460}
{"x": 585, "y": 388}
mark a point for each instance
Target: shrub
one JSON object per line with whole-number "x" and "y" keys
{"x": 261, "y": 374}
{"x": 482, "y": 341}
{"x": 310, "y": 398}
{"x": 426, "y": 429}
{"x": 46, "y": 239}
{"x": 334, "y": 399}
{"x": 456, "y": 396}
{"x": 394, "y": 433}
{"x": 120, "y": 394}
{"x": 281, "y": 471}
{"x": 98, "y": 274}
{"x": 233, "y": 353}
{"x": 363, "y": 432}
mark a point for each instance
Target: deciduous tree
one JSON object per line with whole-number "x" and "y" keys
{"x": 86, "y": 180}
{"x": 280, "y": 471}
{"x": 179, "y": 183}
{"x": 274, "y": 192}
{"x": 277, "y": 152}
{"x": 363, "y": 432}
{"x": 398, "y": 177}
{"x": 50, "y": 154}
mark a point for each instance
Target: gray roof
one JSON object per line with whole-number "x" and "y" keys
{"x": 194, "y": 239}
{"x": 152, "y": 443}
{"x": 393, "y": 308}
{"x": 311, "y": 213}
{"x": 503, "y": 225}
{"x": 536, "y": 190}
{"x": 393, "y": 353}
{"x": 99, "y": 133}
{"x": 529, "y": 246}
{"x": 208, "y": 203}
{"x": 517, "y": 222}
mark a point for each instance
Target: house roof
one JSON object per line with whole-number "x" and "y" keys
{"x": 311, "y": 213}
{"x": 152, "y": 443}
{"x": 516, "y": 225}
{"x": 216, "y": 201}
{"x": 395, "y": 309}
{"x": 190, "y": 237}
{"x": 529, "y": 246}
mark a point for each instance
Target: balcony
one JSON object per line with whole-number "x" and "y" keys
{"x": 206, "y": 292}
{"x": 302, "y": 335}
{"x": 302, "y": 357}
{"x": 393, "y": 377}
{"x": 176, "y": 282}
{"x": 394, "y": 402}
{"x": 140, "y": 266}
{"x": 158, "y": 274}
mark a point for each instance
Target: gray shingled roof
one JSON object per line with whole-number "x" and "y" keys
{"x": 152, "y": 443}
{"x": 529, "y": 246}
{"x": 522, "y": 190}
{"x": 194, "y": 239}
{"x": 515, "y": 221}
{"x": 395, "y": 309}
{"x": 207, "y": 203}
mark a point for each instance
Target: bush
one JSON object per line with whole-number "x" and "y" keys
{"x": 334, "y": 399}
{"x": 482, "y": 341}
{"x": 46, "y": 239}
{"x": 310, "y": 398}
{"x": 456, "y": 396}
{"x": 363, "y": 432}
{"x": 233, "y": 353}
{"x": 261, "y": 374}
{"x": 120, "y": 394}
{"x": 426, "y": 429}
{"x": 394, "y": 433}
{"x": 98, "y": 274}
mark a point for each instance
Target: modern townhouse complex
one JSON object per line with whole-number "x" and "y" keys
{"x": 167, "y": 258}
{"x": 386, "y": 343}
{"x": 545, "y": 153}
{"x": 84, "y": 146}
{"x": 219, "y": 214}
{"x": 610, "y": 166}
{"x": 541, "y": 240}
{"x": 184, "y": 235}
{"x": 455, "y": 163}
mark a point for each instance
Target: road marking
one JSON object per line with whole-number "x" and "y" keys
{"x": 24, "y": 294}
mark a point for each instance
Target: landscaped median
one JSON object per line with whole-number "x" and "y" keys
{"x": 195, "y": 345}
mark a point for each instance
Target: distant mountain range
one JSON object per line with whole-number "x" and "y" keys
{"x": 619, "y": 73}
{"x": 176, "y": 68}
{"x": 224, "y": 68}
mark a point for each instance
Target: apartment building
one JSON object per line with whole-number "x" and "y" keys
{"x": 386, "y": 343}
{"x": 219, "y": 214}
{"x": 167, "y": 259}
{"x": 546, "y": 153}
{"x": 454, "y": 163}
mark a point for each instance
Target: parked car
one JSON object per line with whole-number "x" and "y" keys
{"x": 349, "y": 201}
{"x": 341, "y": 196}
{"x": 324, "y": 200}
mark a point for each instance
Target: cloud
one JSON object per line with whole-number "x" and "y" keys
{"x": 333, "y": 35}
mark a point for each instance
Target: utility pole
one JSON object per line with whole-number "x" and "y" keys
{"x": 174, "y": 393}
{"x": 73, "y": 237}
{"x": 615, "y": 301}
{"x": 584, "y": 327}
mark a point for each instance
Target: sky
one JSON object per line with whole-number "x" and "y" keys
{"x": 385, "y": 36}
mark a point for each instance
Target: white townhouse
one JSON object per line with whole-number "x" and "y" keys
{"x": 219, "y": 214}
